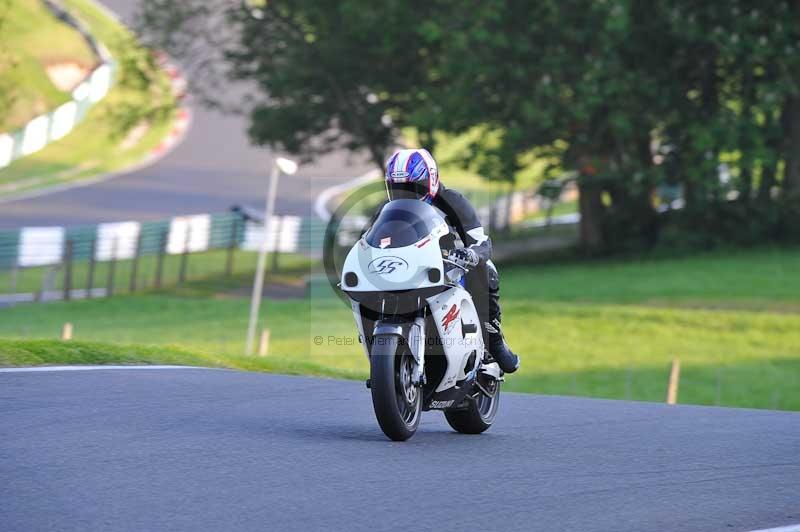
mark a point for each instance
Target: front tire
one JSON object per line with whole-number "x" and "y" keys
{"x": 396, "y": 401}
{"x": 481, "y": 410}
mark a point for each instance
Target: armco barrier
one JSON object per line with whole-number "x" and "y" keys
{"x": 56, "y": 124}
{"x": 49, "y": 263}
{"x": 45, "y": 246}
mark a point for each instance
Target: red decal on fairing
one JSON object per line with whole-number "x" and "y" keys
{"x": 420, "y": 244}
{"x": 450, "y": 317}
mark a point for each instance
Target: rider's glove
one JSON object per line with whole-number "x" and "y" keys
{"x": 465, "y": 257}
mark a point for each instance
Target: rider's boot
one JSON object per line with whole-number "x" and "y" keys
{"x": 498, "y": 348}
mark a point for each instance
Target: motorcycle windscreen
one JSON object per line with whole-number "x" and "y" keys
{"x": 401, "y": 223}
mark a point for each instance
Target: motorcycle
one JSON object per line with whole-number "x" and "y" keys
{"x": 418, "y": 324}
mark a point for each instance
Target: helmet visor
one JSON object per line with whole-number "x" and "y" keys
{"x": 406, "y": 190}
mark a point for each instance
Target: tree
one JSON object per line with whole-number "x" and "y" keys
{"x": 627, "y": 94}
{"x": 562, "y": 84}
{"x": 326, "y": 75}
{"x": 7, "y": 62}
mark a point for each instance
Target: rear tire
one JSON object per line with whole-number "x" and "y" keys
{"x": 481, "y": 410}
{"x": 397, "y": 403}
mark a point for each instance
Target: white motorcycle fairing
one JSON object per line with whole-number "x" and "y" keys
{"x": 458, "y": 326}
{"x": 418, "y": 269}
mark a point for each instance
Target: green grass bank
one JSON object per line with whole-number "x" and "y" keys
{"x": 602, "y": 329}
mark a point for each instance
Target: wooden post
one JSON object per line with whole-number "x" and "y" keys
{"x": 135, "y": 263}
{"x": 674, "y": 378}
{"x": 263, "y": 344}
{"x": 185, "y": 256}
{"x": 66, "y": 332}
{"x": 112, "y": 267}
{"x": 162, "y": 250}
{"x": 276, "y": 250}
{"x": 67, "y": 270}
{"x": 232, "y": 247}
{"x": 92, "y": 263}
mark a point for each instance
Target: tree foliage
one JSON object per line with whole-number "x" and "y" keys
{"x": 632, "y": 96}
{"x": 7, "y": 62}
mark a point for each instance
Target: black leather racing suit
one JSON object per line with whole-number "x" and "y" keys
{"x": 483, "y": 281}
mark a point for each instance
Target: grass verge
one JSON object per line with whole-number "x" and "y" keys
{"x": 603, "y": 329}
{"x": 31, "y": 39}
{"x": 207, "y": 270}
{"x": 98, "y": 144}
{"x": 51, "y": 352}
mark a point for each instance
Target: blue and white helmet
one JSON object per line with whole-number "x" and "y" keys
{"x": 415, "y": 170}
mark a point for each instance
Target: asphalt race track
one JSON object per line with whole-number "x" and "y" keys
{"x": 211, "y": 450}
{"x": 214, "y": 168}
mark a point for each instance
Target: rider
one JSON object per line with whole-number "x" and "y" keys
{"x": 413, "y": 173}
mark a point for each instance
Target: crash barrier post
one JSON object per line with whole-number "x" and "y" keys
{"x": 68, "y": 270}
{"x": 14, "y": 278}
{"x": 92, "y": 265}
{"x": 135, "y": 263}
{"x": 185, "y": 256}
{"x": 162, "y": 250}
{"x": 112, "y": 266}
{"x": 233, "y": 242}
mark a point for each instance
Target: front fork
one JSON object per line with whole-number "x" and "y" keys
{"x": 413, "y": 333}
{"x": 416, "y": 343}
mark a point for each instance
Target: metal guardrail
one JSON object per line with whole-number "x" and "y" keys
{"x": 47, "y": 263}
{"x": 44, "y": 263}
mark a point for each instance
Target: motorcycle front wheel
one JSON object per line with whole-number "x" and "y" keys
{"x": 396, "y": 400}
{"x": 481, "y": 408}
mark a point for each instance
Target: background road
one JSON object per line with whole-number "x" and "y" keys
{"x": 195, "y": 449}
{"x": 214, "y": 168}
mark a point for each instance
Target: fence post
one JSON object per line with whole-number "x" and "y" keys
{"x": 276, "y": 252}
{"x": 162, "y": 250}
{"x": 263, "y": 344}
{"x": 674, "y": 377}
{"x": 38, "y": 296}
{"x": 90, "y": 273}
{"x": 66, "y": 331}
{"x": 232, "y": 247}
{"x": 185, "y": 255}
{"x": 112, "y": 266}
{"x": 48, "y": 283}
{"x": 67, "y": 259}
{"x": 14, "y": 278}
{"x": 135, "y": 262}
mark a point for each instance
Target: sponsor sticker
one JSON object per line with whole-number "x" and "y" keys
{"x": 387, "y": 265}
{"x": 450, "y": 317}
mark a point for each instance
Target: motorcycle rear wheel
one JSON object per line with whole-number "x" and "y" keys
{"x": 481, "y": 410}
{"x": 396, "y": 401}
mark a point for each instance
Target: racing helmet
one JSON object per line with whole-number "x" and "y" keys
{"x": 412, "y": 173}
